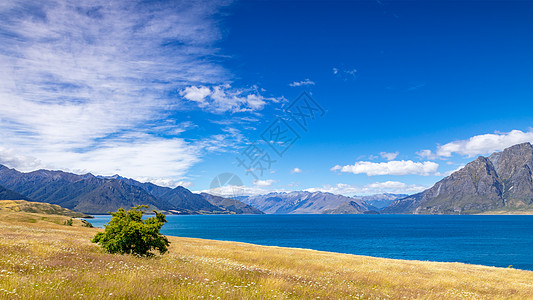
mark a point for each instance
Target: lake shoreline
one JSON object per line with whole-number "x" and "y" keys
{"x": 231, "y": 270}
{"x": 499, "y": 241}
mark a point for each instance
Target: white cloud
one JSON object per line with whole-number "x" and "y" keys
{"x": 14, "y": 159}
{"x": 197, "y": 94}
{"x": 263, "y": 183}
{"x": 427, "y": 154}
{"x": 448, "y": 173}
{"x": 166, "y": 182}
{"x": 344, "y": 73}
{"x": 83, "y": 84}
{"x": 395, "y": 187}
{"x": 485, "y": 143}
{"x": 238, "y": 190}
{"x": 223, "y": 98}
{"x": 402, "y": 167}
{"x": 307, "y": 81}
{"x": 296, "y": 171}
{"x": 389, "y": 156}
{"x": 150, "y": 157}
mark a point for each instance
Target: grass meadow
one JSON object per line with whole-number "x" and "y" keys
{"x": 42, "y": 259}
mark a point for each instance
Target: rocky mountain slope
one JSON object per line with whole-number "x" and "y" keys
{"x": 99, "y": 195}
{"x": 350, "y": 207}
{"x": 504, "y": 180}
{"x": 302, "y": 202}
{"x": 233, "y": 205}
{"x": 179, "y": 199}
{"x": 7, "y": 194}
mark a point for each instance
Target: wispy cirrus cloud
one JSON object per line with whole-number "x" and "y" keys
{"x": 389, "y": 155}
{"x": 226, "y": 141}
{"x": 344, "y": 73}
{"x": 82, "y": 84}
{"x": 307, "y": 81}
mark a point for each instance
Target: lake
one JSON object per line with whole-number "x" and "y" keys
{"x": 486, "y": 240}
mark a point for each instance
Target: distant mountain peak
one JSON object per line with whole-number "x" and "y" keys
{"x": 304, "y": 202}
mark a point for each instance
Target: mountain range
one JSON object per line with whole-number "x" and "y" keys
{"x": 99, "y": 195}
{"x": 381, "y": 201}
{"x": 303, "y": 202}
{"x": 502, "y": 181}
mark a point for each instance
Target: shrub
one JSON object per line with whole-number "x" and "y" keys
{"x": 85, "y": 223}
{"x": 68, "y": 222}
{"x": 127, "y": 233}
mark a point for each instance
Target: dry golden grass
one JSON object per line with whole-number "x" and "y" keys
{"x": 43, "y": 260}
{"x": 7, "y": 206}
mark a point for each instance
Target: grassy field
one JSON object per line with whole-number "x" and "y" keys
{"x": 11, "y": 206}
{"x": 40, "y": 259}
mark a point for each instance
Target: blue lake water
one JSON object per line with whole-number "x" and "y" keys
{"x": 486, "y": 240}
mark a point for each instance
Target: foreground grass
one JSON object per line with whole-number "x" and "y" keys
{"x": 43, "y": 260}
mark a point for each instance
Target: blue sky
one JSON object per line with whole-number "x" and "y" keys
{"x": 174, "y": 92}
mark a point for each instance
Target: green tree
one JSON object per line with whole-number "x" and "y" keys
{"x": 127, "y": 233}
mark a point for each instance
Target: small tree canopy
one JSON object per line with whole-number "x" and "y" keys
{"x": 127, "y": 233}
